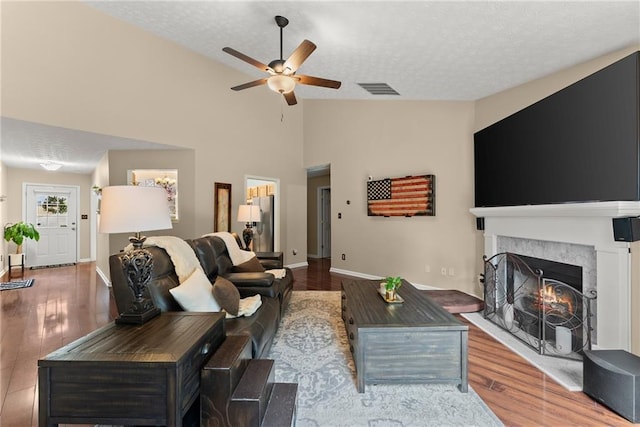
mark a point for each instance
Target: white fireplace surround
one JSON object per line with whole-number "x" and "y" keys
{"x": 587, "y": 224}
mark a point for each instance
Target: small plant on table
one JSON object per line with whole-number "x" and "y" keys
{"x": 391, "y": 286}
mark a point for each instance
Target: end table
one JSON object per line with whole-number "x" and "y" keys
{"x": 15, "y": 261}
{"x": 129, "y": 374}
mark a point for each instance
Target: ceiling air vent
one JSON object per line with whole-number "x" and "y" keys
{"x": 378, "y": 88}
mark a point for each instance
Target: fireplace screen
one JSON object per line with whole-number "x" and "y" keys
{"x": 547, "y": 314}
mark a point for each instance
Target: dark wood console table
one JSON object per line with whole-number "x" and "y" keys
{"x": 127, "y": 374}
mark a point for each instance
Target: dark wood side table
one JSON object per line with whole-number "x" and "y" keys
{"x": 126, "y": 374}
{"x": 16, "y": 261}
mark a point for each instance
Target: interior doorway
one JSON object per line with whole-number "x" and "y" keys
{"x": 264, "y": 192}
{"x": 319, "y": 212}
{"x": 324, "y": 224}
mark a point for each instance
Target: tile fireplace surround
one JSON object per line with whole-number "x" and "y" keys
{"x": 579, "y": 234}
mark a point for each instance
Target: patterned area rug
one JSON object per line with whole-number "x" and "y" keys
{"x": 311, "y": 349}
{"x": 5, "y": 286}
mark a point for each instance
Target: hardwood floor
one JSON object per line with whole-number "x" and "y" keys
{"x": 66, "y": 303}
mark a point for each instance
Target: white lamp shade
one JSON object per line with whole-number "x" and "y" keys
{"x": 249, "y": 213}
{"x": 129, "y": 208}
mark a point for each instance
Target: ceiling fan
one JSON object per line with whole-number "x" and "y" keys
{"x": 283, "y": 77}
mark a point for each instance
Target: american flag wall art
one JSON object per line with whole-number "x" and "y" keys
{"x": 407, "y": 196}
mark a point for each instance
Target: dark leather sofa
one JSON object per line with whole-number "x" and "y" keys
{"x": 213, "y": 256}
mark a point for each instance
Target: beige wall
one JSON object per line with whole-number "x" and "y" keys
{"x": 3, "y": 213}
{"x": 100, "y": 179}
{"x": 312, "y": 211}
{"x": 66, "y": 64}
{"x": 391, "y": 139}
{"x": 121, "y": 161}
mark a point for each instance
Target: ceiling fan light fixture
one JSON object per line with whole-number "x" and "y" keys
{"x": 281, "y": 83}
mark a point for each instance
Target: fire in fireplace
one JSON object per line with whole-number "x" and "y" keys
{"x": 540, "y": 302}
{"x": 555, "y": 301}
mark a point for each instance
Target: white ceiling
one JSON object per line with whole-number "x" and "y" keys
{"x": 425, "y": 50}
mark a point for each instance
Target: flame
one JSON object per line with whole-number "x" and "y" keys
{"x": 548, "y": 297}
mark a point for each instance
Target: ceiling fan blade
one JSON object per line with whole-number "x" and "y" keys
{"x": 290, "y": 97}
{"x": 317, "y": 81}
{"x": 299, "y": 55}
{"x": 250, "y": 84}
{"x": 247, "y": 59}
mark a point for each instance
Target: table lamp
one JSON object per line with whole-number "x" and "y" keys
{"x": 248, "y": 214}
{"x": 126, "y": 209}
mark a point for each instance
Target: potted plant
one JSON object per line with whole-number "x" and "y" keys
{"x": 17, "y": 232}
{"x": 391, "y": 285}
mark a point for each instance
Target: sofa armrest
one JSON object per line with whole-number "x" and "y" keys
{"x": 250, "y": 279}
{"x": 270, "y": 260}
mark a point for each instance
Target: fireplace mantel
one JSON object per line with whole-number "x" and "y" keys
{"x": 584, "y": 224}
{"x": 591, "y": 209}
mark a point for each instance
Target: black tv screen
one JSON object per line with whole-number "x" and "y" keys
{"x": 580, "y": 144}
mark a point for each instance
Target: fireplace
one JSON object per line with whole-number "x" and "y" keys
{"x": 540, "y": 302}
{"x": 579, "y": 234}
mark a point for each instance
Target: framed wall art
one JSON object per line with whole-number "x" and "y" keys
{"x": 165, "y": 178}
{"x": 221, "y": 207}
{"x": 407, "y": 196}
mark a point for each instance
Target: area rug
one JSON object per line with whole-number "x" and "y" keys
{"x": 5, "y": 286}
{"x": 311, "y": 349}
{"x": 567, "y": 373}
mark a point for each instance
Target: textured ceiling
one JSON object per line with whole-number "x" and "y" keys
{"x": 27, "y": 144}
{"x": 425, "y": 50}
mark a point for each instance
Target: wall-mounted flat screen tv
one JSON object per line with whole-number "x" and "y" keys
{"x": 580, "y": 144}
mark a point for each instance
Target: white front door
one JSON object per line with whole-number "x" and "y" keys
{"x": 53, "y": 210}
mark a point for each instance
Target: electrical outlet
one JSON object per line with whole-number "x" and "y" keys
{"x": 443, "y": 271}
{"x": 452, "y": 272}
{"x": 344, "y": 257}
{"x": 427, "y": 268}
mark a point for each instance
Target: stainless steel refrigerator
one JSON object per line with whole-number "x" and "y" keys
{"x": 263, "y": 231}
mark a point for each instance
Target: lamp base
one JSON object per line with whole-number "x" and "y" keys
{"x": 137, "y": 318}
{"x": 247, "y": 236}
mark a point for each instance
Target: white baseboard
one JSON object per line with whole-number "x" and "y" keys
{"x": 298, "y": 265}
{"x": 314, "y": 256}
{"x": 104, "y": 277}
{"x": 425, "y": 287}
{"x": 370, "y": 277}
{"x": 354, "y": 273}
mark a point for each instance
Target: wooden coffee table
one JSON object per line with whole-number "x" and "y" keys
{"x": 416, "y": 341}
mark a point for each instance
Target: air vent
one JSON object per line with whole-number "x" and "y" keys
{"x": 378, "y": 88}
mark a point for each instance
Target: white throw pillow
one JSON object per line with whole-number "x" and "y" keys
{"x": 196, "y": 293}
